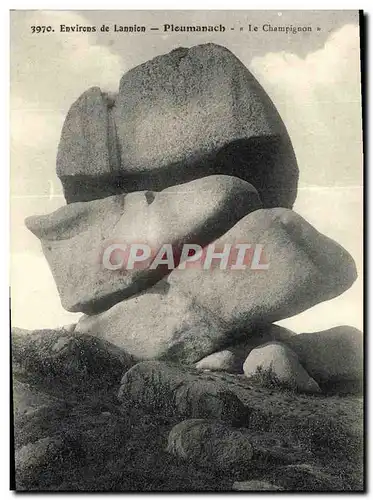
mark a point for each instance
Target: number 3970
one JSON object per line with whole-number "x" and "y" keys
{"x": 41, "y": 29}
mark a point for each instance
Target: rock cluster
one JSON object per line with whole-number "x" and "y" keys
{"x": 82, "y": 426}
{"x": 191, "y": 153}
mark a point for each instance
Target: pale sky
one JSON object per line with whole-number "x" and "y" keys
{"x": 313, "y": 79}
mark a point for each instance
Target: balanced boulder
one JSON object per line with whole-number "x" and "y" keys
{"x": 195, "y": 311}
{"x": 180, "y": 116}
{"x": 77, "y": 238}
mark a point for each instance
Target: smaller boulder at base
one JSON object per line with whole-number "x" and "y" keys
{"x": 231, "y": 359}
{"x": 333, "y": 356}
{"x": 279, "y": 363}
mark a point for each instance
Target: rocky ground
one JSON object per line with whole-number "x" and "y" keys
{"x": 88, "y": 419}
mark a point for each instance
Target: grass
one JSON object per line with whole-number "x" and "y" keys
{"x": 267, "y": 378}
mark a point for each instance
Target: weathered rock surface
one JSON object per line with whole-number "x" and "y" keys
{"x": 160, "y": 323}
{"x": 75, "y": 237}
{"x": 180, "y": 116}
{"x": 86, "y": 449}
{"x": 88, "y": 146}
{"x": 333, "y": 356}
{"x": 81, "y": 438}
{"x": 304, "y": 268}
{"x": 174, "y": 328}
{"x": 279, "y": 361}
{"x": 173, "y": 390}
{"x": 211, "y": 444}
{"x": 232, "y": 358}
{"x": 63, "y": 364}
{"x": 214, "y": 444}
{"x": 195, "y": 312}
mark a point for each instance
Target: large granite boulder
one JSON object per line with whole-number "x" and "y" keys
{"x": 195, "y": 312}
{"x": 76, "y": 238}
{"x": 164, "y": 323}
{"x": 180, "y": 116}
{"x": 47, "y": 456}
{"x": 289, "y": 268}
{"x": 161, "y": 323}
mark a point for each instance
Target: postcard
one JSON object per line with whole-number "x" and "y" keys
{"x": 187, "y": 251}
